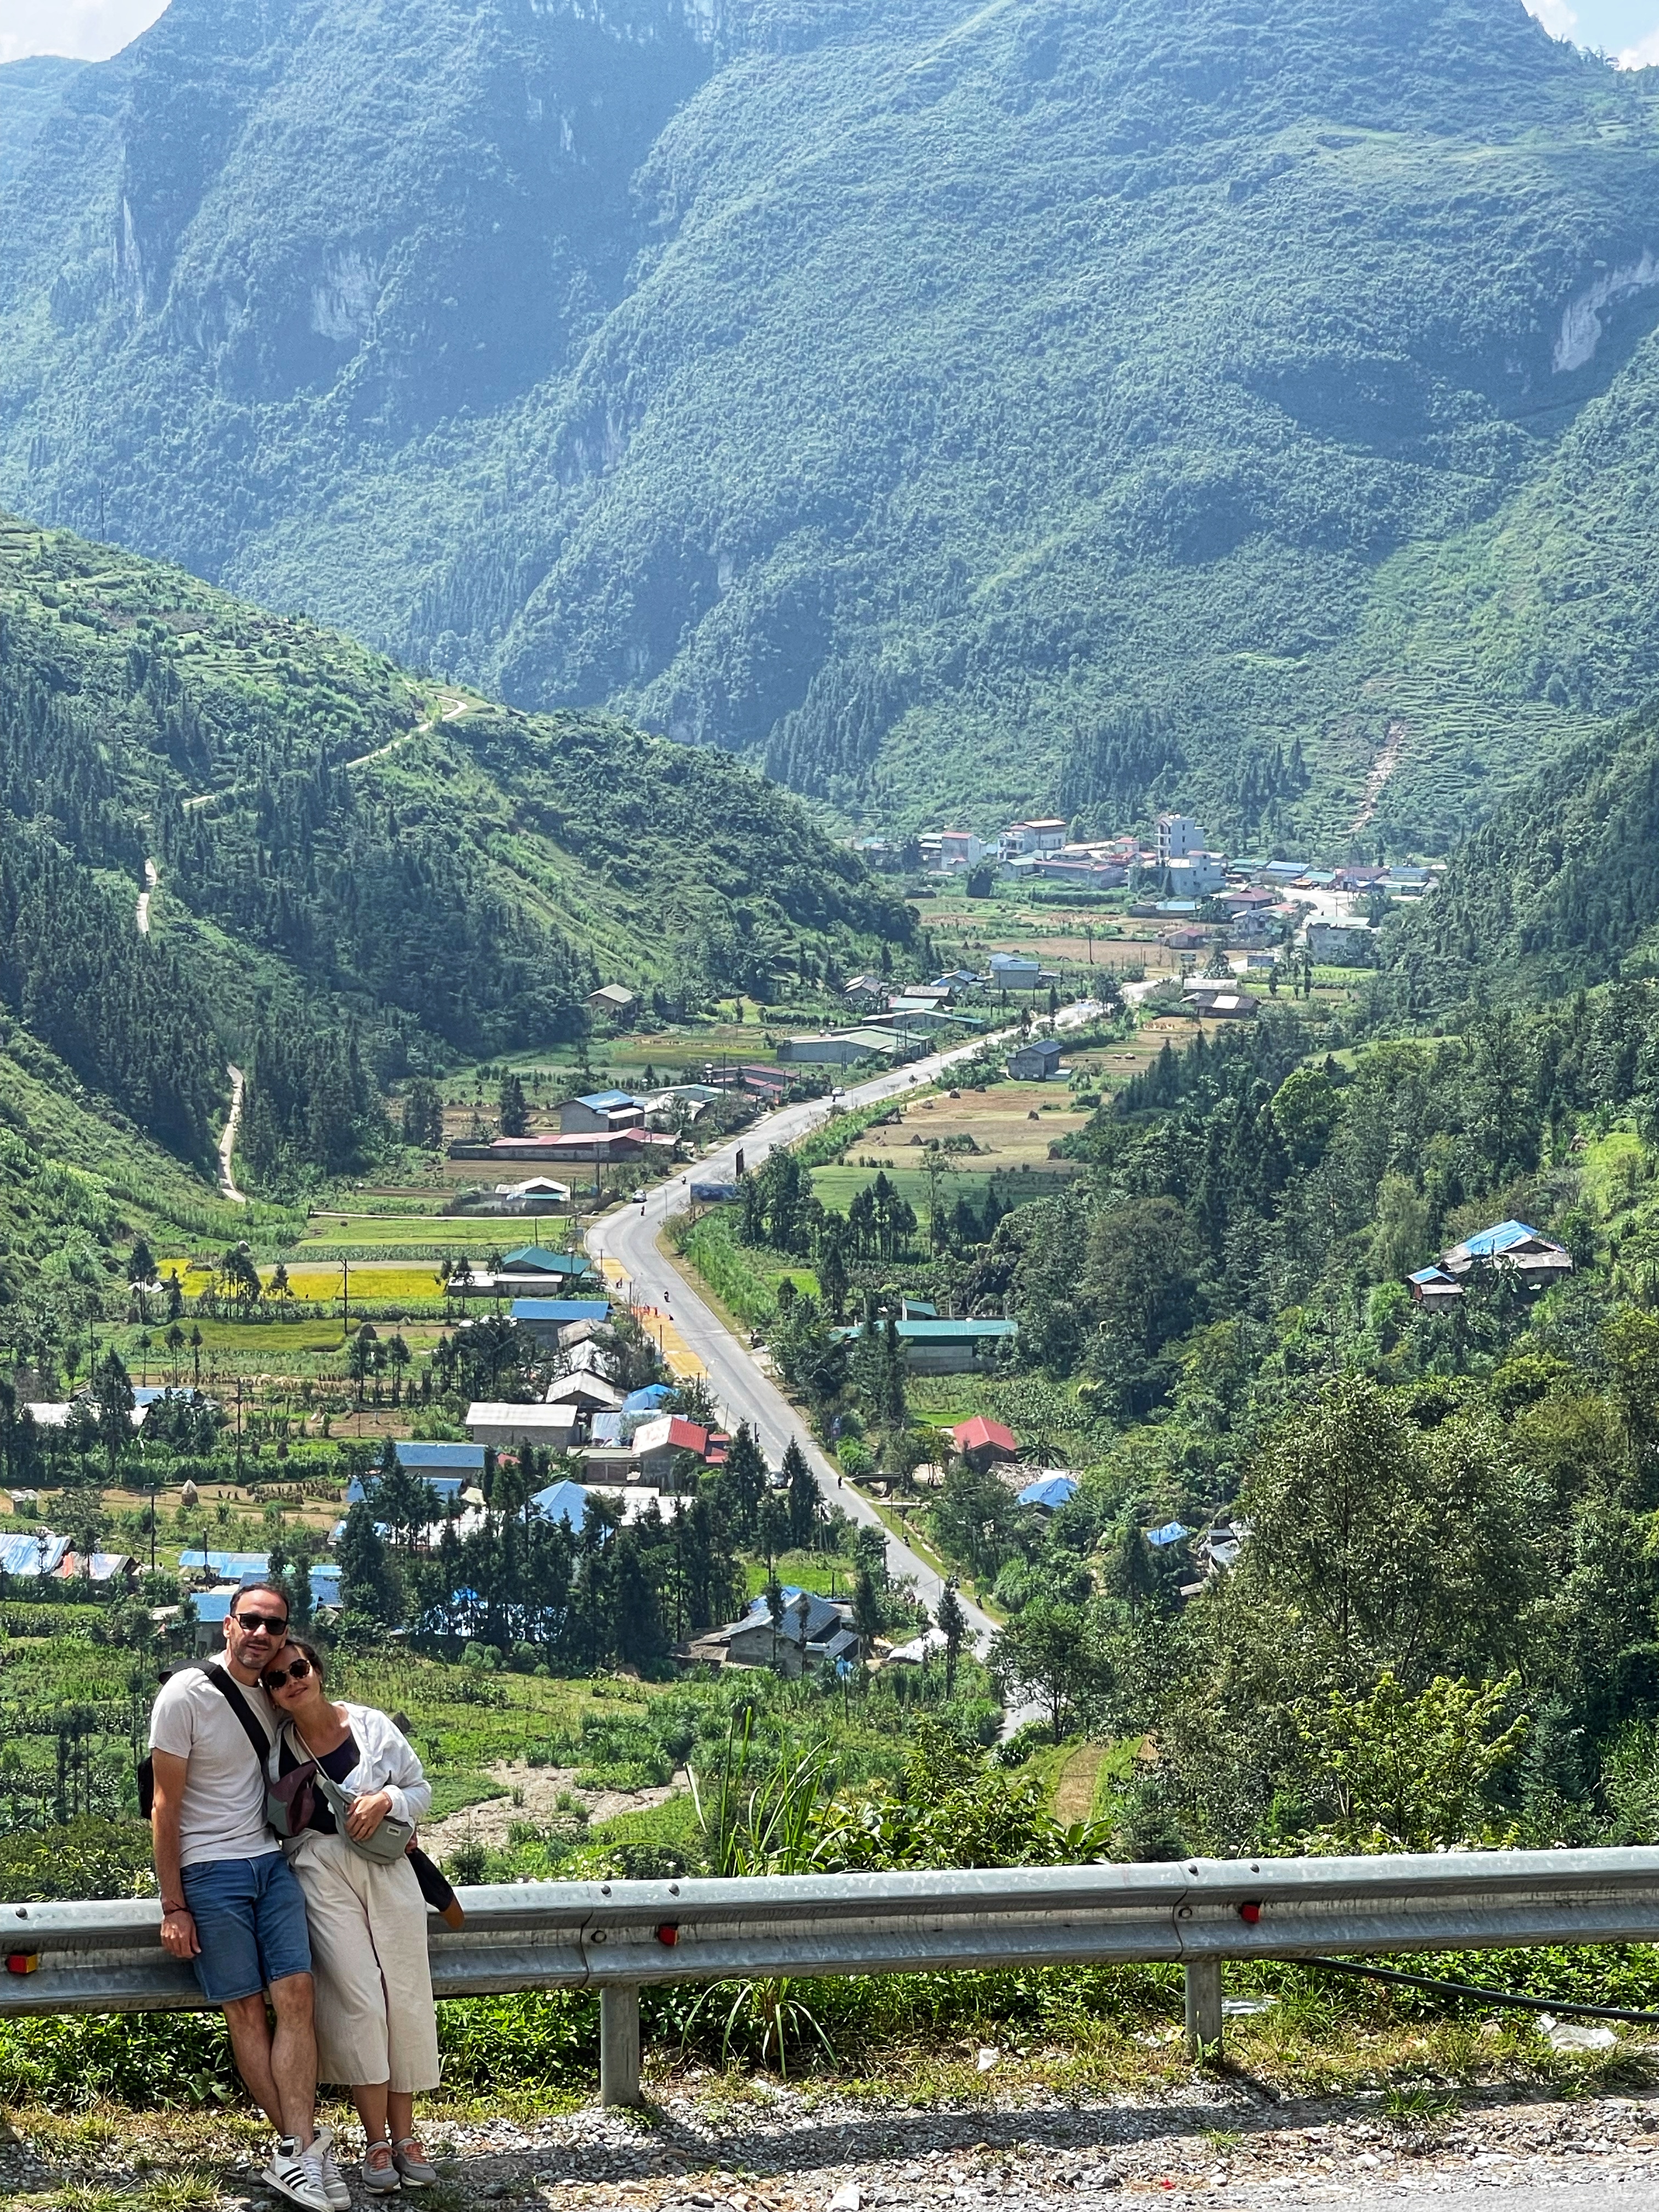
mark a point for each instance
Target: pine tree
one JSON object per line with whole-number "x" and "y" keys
{"x": 953, "y": 1626}
{"x": 744, "y": 1479}
{"x": 368, "y": 1582}
{"x": 802, "y": 1491}
{"x": 512, "y": 1113}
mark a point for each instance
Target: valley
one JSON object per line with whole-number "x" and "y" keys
{"x": 827, "y": 973}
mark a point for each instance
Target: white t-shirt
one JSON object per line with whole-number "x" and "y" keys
{"x": 221, "y": 1815}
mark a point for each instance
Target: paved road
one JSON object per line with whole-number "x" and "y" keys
{"x": 627, "y": 1238}
{"x": 1604, "y": 2194}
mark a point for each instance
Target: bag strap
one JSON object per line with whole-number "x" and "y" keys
{"x": 258, "y": 1741}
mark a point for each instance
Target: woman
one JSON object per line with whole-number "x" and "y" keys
{"x": 376, "y": 2026}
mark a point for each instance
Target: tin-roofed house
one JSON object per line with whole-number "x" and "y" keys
{"x": 811, "y": 1632}
{"x": 1537, "y": 1259}
{"x": 547, "y": 1319}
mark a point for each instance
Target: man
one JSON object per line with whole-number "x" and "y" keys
{"x": 230, "y": 1903}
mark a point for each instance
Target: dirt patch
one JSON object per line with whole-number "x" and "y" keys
{"x": 1075, "y": 1793}
{"x": 538, "y": 1790}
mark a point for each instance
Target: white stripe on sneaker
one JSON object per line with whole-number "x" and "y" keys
{"x": 297, "y": 2176}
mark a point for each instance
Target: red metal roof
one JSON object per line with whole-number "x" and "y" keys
{"x": 981, "y": 1435}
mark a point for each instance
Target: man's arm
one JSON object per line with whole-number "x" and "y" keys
{"x": 178, "y": 1929}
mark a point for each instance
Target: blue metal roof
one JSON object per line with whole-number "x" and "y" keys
{"x": 22, "y": 1555}
{"x": 560, "y": 1309}
{"x": 464, "y": 1459}
{"x": 443, "y": 1486}
{"x": 649, "y": 1401}
{"x": 1050, "y": 1490}
{"x": 230, "y": 1566}
{"x": 1501, "y": 1238}
{"x": 1170, "y": 1533}
{"x": 601, "y": 1100}
{"x": 562, "y": 1501}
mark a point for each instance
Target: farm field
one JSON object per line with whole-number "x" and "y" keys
{"x": 997, "y": 1121}
{"x": 369, "y": 1282}
{"x": 328, "y": 1234}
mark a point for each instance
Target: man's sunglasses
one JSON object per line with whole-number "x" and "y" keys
{"x": 277, "y": 1676}
{"x": 269, "y": 1623}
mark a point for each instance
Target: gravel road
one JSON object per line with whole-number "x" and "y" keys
{"x": 1213, "y": 2144}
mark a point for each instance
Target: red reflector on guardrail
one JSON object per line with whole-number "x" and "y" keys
{"x": 1250, "y": 1912}
{"x": 22, "y": 1962}
{"x": 669, "y": 1934}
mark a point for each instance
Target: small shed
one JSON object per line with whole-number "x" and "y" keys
{"x": 1035, "y": 1061}
{"x": 614, "y": 1002}
{"x": 504, "y": 1426}
{"x": 1434, "y": 1289}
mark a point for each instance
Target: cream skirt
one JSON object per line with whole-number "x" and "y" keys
{"x": 375, "y": 2020}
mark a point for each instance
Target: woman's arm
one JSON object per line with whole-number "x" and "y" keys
{"x": 389, "y": 1763}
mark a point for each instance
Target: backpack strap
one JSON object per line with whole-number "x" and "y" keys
{"x": 258, "y": 1741}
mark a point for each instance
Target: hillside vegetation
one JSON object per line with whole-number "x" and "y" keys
{"x": 1555, "y": 893}
{"x": 357, "y": 876}
{"x": 1075, "y": 401}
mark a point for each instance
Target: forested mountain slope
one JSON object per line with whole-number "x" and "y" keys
{"x": 357, "y": 873}
{"x": 1083, "y": 402}
{"x": 29, "y": 94}
{"x": 1559, "y": 891}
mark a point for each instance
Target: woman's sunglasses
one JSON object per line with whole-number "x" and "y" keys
{"x": 278, "y": 1676}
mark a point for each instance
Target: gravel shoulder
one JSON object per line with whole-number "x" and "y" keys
{"x": 715, "y": 2145}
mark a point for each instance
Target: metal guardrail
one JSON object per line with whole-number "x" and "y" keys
{"x": 618, "y": 1936}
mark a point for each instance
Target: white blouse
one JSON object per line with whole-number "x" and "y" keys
{"x": 385, "y": 1760}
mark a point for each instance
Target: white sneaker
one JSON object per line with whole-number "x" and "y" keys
{"x": 333, "y": 2181}
{"x": 297, "y": 2175}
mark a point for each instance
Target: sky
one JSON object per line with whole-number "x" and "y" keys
{"x": 91, "y": 30}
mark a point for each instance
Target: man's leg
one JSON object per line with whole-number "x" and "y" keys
{"x": 250, "y": 2042}
{"x": 294, "y": 2056}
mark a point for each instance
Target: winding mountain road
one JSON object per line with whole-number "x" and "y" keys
{"x": 227, "y": 1142}
{"x": 624, "y": 1244}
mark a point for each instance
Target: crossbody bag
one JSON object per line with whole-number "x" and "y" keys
{"x": 387, "y": 1845}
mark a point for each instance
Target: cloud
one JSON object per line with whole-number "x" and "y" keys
{"x": 86, "y": 30}
{"x": 1558, "y": 19}
{"x": 1643, "y": 54}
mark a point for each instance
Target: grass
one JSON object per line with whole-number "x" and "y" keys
{"x": 397, "y": 1229}
{"x": 829, "y": 1573}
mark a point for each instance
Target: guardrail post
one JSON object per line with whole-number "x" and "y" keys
{"x": 1203, "y": 2006}
{"x": 619, "y": 2044}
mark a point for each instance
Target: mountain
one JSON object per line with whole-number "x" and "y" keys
{"x": 29, "y": 94}
{"x": 1077, "y": 403}
{"x": 1558, "y": 891}
{"x": 356, "y": 874}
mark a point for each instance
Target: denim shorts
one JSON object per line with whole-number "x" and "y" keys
{"x": 250, "y": 1917}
